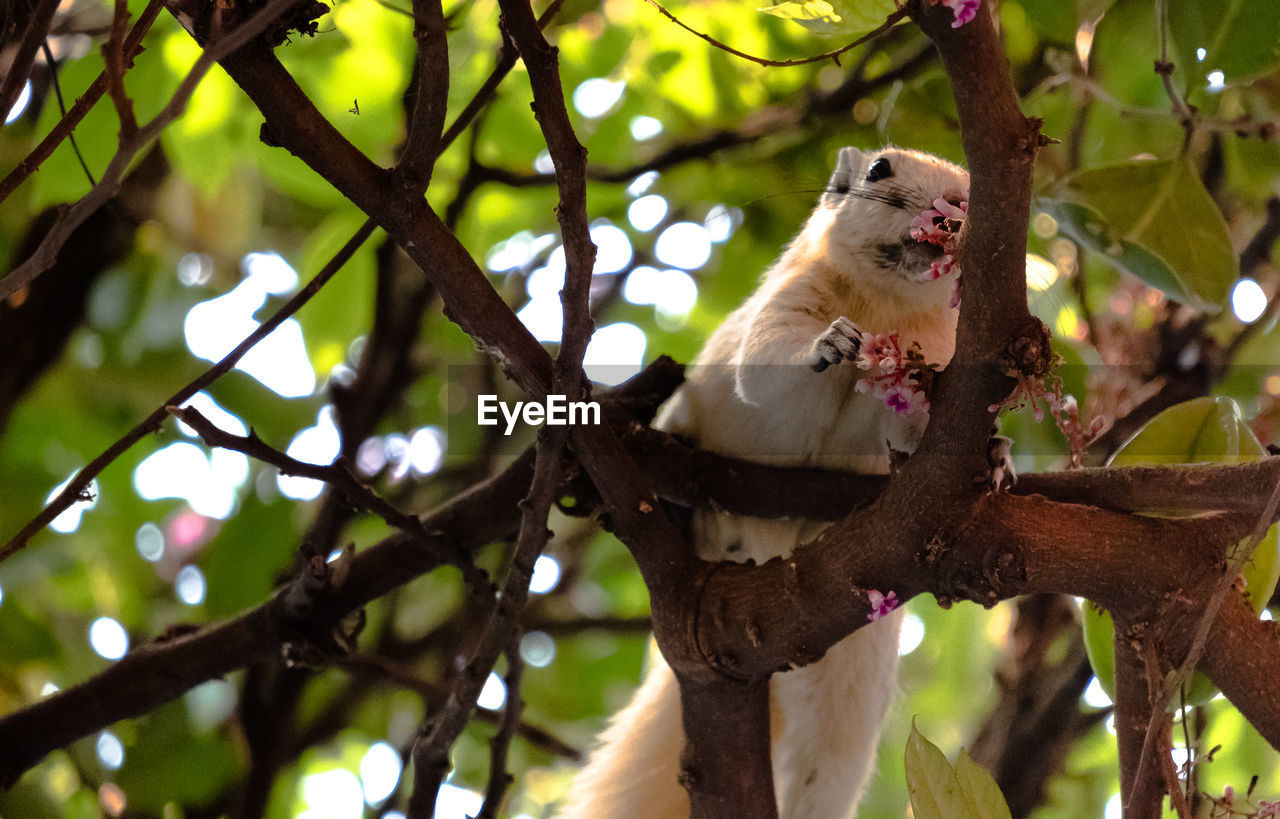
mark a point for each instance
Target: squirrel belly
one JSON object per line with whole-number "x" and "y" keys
{"x": 764, "y": 388}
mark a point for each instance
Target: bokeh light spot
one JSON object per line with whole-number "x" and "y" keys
{"x": 1248, "y": 300}
{"x": 110, "y": 751}
{"x": 684, "y": 244}
{"x": 546, "y": 574}
{"x": 190, "y": 585}
{"x": 380, "y": 769}
{"x": 615, "y": 353}
{"x": 538, "y": 649}
{"x": 596, "y": 97}
{"x": 108, "y": 638}
{"x": 493, "y": 694}
{"x": 647, "y": 212}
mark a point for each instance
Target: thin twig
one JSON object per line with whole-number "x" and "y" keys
{"x": 114, "y": 59}
{"x": 889, "y": 22}
{"x": 404, "y": 677}
{"x": 500, "y": 743}
{"x": 1186, "y": 114}
{"x": 431, "y": 750}
{"x": 1161, "y": 744}
{"x": 78, "y": 484}
{"x": 62, "y": 109}
{"x": 129, "y": 145}
{"x": 63, "y": 130}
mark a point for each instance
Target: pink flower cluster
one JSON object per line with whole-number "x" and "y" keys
{"x": 893, "y": 376}
{"x": 881, "y": 604}
{"x": 964, "y": 10}
{"x": 938, "y": 225}
{"x": 1066, "y": 412}
{"x": 1266, "y": 809}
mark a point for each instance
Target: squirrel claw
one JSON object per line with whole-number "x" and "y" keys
{"x": 999, "y": 457}
{"x": 840, "y": 341}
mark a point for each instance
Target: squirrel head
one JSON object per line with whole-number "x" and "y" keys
{"x": 864, "y": 218}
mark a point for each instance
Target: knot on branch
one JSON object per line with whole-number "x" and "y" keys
{"x": 1034, "y": 139}
{"x": 984, "y": 575}
{"x": 210, "y": 21}
{"x": 310, "y": 632}
{"x": 1030, "y": 354}
{"x": 301, "y": 18}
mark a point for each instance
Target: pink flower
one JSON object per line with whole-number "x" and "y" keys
{"x": 881, "y": 604}
{"x": 889, "y": 374}
{"x": 964, "y": 10}
{"x": 1268, "y": 809}
{"x": 905, "y": 399}
{"x": 937, "y": 225}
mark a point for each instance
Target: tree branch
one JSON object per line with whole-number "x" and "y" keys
{"x": 429, "y": 89}
{"x": 892, "y": 20}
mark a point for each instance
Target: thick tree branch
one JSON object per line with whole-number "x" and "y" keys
{"x": 1241, "y": 657}
{"x": 1141, "y": 797}
{"x": 1000, "y": 146}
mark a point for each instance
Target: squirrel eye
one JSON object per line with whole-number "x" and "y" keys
{"x": 880, "y": 169}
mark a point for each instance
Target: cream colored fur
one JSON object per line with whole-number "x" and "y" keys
{"x": 753, "y": 393}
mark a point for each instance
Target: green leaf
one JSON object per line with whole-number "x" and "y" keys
{"x": 1088, "y": 227}
{"x": 931, "y": 781}
{"x": 1162, "y": 208}
{"x": 1203, "y": 430}
{"x": 1240, "y": 38}
{"x": 1197, "y": 431}
{"x": 1053, "y": 19}
{"x": 849, "y": 17}
{"x": 979, "y": 789}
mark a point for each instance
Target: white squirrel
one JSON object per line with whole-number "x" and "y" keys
{"x": 764, "y": 389}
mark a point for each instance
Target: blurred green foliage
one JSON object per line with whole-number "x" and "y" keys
{"x": 228, "y": 194}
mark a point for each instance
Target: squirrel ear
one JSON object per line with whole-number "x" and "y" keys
{"x": 844, "y": 177}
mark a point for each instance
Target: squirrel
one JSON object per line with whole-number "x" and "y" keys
{"x": 766, "y": 388}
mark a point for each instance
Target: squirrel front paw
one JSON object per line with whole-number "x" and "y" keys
{"x": 842, "y": 340}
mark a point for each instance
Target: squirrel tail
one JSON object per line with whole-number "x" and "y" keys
{"x": 634, "y": 774}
